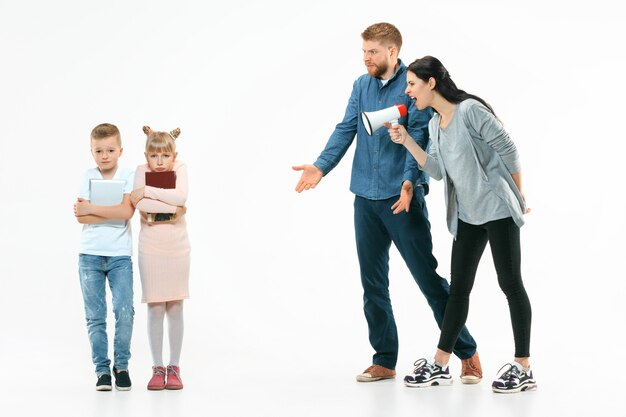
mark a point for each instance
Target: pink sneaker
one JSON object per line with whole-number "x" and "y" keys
{"x": 157, "y": 382}
{"x": 173, "y": 378}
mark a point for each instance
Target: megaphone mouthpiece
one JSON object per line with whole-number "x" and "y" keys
{"x": 374, "y": 120}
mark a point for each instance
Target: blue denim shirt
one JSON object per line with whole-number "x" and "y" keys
{"x": 380, "y": 166}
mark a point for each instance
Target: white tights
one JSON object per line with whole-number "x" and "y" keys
{"x": 176, "y": 325}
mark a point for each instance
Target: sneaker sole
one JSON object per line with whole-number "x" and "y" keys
{"x": 515, "y": 390}
{"x": 104, "y": 388}
{"x": 435, "y": 383}
{"x": 122, "y": 388}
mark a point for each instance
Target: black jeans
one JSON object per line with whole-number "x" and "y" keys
{"x": 504, "y": 239}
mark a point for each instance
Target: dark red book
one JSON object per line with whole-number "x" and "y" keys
{"x": 162, "y": 179}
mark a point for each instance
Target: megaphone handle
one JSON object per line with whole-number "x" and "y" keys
{"x": 394, "y": 122}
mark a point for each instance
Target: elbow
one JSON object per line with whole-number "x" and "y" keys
{"x": 181, "y": 199}
{"x": 85, "y": 219}
{"x": 176, "y": 201}
{"x": 129, "y": 214}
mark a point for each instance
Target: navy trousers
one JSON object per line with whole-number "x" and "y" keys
{"x": 376, "y": 227}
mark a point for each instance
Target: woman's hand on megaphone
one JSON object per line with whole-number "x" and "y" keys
{"x": 311, "y": 176}
{"x": 397, "y": 133}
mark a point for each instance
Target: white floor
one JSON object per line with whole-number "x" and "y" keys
{"x": 253, "y": 394}
{"x": 260, "y": 388}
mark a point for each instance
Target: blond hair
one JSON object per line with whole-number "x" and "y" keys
{"x": 161, "y": 141}
{"x": 385, "y": 33}
{"x": 105, "y": 130}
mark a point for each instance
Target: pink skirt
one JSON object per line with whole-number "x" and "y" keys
{"x": 163, "y": 278}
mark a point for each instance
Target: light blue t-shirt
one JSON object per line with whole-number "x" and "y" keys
{"x": 103, "y": 240}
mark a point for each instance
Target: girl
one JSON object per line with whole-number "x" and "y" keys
{"x": 163, "y": 253}
{"x": 480, "y": 165}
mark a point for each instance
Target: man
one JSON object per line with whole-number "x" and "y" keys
{"x": 389, "y": 202}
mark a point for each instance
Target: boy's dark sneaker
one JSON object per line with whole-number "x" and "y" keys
{"x": 512, "y": 377}
{"x": 104, "y": 383}
{"x": 122, "y": 380}
{"x": 428, "y": 373}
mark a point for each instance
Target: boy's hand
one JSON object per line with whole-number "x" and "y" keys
{"x": 136, "y": 196}
{"x": 82, "y": 207}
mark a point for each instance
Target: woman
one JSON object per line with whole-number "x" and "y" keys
{"x": 480, "y": 167}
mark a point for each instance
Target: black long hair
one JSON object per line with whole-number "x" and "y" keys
{"x": 429, "y": 66}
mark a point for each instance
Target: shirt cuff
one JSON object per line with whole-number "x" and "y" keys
{"x": 323, "y": 166}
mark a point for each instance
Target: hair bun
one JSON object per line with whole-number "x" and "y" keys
{"x": 147, "y": 130}
{"x": 175, "y": 133}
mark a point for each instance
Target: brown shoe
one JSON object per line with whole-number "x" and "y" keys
{"x": 472, "y": 372}
{"x": 375, "y": 373}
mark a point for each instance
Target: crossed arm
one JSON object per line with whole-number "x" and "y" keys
{"x": 87, "y": 213}
{"x": 148, "y": 199}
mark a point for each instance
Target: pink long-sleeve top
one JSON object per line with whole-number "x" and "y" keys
{"x": 166, "y": 238}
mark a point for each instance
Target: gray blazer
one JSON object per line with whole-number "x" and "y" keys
{"x": 493, "y": 152}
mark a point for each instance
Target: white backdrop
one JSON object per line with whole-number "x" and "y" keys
{"x": 257, "y": 87}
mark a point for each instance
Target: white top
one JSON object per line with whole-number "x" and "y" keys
{"x": 103, "y": 240}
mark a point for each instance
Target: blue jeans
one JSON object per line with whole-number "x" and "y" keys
{"x": 94, "y": 271}
{"x": 376, "y": 227}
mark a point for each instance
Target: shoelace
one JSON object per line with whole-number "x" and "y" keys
{"x": 158, "y": 371}
{"x": 510, "y": 374}
{"x": 171, "y": 370}
{"x": 422, "y": 366}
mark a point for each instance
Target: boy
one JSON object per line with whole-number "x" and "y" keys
{"x": 105, "y": 252}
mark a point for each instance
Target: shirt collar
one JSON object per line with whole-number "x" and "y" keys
{"x": 401, "y": 68}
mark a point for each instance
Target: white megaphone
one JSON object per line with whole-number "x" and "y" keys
{"x": 374, "y": 120}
